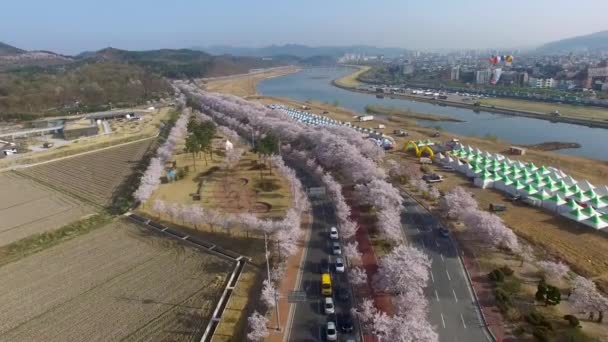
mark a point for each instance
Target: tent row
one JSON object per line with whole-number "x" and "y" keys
{"x": 542, "y": 186}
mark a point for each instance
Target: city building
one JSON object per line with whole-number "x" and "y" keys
{"x": 541, "y": 82}
{"x": 483, "y": 76}
{"x": 408, "y": 69}
{"x": 455, "y": 73}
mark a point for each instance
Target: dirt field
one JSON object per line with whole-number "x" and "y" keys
{"x": 120, "y": 282}
{"x": 28, "y": 208}
{"x": 244, "y": 85}
{"x": 580, "y": 112}
{"x": 93, "y": 176}
{"x": 350, "y": 81}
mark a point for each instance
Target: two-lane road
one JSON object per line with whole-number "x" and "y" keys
{"x": 452, "y": 306}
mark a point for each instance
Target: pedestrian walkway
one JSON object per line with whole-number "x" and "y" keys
{"x": 289, "y": 283}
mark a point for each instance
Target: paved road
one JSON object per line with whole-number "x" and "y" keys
{"x": 452, "y": 306}
{"x": 309, "y": 321}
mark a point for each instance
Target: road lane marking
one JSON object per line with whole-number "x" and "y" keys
{"x": 446, "y": 272}
{"x": 436, "y": 295}
{"x": 442, "y": 320}
{"x": 462, "y": 319}
{"x": 432, "y": 278}
{"x": 454, "y": 292}
{"x": 422, "y": 241}
{"x": 441, "y": 255}
{"x": 437, "y": 244}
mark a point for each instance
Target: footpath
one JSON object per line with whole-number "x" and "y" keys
{"x": 289, "y": 283}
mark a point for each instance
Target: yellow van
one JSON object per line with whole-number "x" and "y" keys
{"x": 326, "y": 284}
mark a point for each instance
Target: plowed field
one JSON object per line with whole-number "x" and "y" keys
{"x": 120, "y": 282}
{"x": 28, "y": 208}
{"x": 93, "y": 176}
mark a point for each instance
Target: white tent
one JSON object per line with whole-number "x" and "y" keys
{"x": 460, "y": 166}
{"x": 448, "y": 161}
{"x": 569, "y": 180}
{"x": 585, "y": 185}
{"x": 576, "y": 215}
{"x": 595, "y": 222}
{"x": 483, "y": 181}
{"x": 602, "y": 190}
{"x": 554, "y": 202}
{"x": 440, "y": 156}
{"x": 568, "y": 206}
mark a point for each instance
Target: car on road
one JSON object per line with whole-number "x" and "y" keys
{"x": 328, "y": 306}
{"x": 335, "y": 248}
{"x": 444, "y": 232}
{"x": 324, "y": 266}
{"x": 342, "y": 294}
{"x": 326, "y": 284}
{"x": 339, "y": 263}
{"x": 333, "y": 233}
{"x": 331, "y": 332}
{"x": 345, "y": 322}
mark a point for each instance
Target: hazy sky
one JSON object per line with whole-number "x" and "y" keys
{"x": 72, "y": 26}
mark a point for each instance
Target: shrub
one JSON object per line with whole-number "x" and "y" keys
{"x": 572, "y": 320}
{"x": 507, "y": 270}
{"x": 542, "y": 334}
{"x": 181, "y": 173}
{"x": 496, "y": 276}
{"x": 539, "y": 320}
{"x": 503, "y": 300}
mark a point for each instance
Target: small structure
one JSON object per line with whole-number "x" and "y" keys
{"x": 518, "y": 151}
{"x": 80, "y": 128}
{"x": 229, "y": 146}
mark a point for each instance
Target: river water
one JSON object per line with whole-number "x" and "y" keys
{"x": 315, "y": 84}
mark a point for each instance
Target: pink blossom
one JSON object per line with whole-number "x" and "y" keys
{"x": 258, "y": 327}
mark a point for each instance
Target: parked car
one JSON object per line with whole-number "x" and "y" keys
{"x": 335, "y": 248}
{"x": 329, "y": 307}
{"x": 346, "y": 323}
{"x": 444, "y": 232}
{"x": 331, "y": 332}
{"x": 432, "y": 178}
{"x": 339, "y": 265}
{"x": 333, "y": 233}
{"x": 324, "y": 266}
{"x": 497, "y": 207}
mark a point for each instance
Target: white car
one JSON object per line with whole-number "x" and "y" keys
{"x": 335, "y": 248}
{"x": 332, "y": 333}
{"x": 339, "y": 265}
{"x": 333, "y": 233}
{"x": 329, "y": 307}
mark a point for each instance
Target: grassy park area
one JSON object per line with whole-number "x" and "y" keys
{"x": 567, "y": 110}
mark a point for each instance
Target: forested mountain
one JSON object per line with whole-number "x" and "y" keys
{"x": 589, "y": 43}
{"x": 302, "y": 51}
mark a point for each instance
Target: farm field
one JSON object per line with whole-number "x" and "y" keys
{"x": 119, "y": 282}
{"x": 27, "y": 208}
{"x": 93, "y": 176}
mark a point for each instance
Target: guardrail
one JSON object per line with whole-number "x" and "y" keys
{"x": 239, "y": 264}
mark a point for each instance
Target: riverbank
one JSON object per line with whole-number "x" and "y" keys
{"x": 371, "y": 109}
{"x": 244, "y": 84}
{"x": 352, "y": 80}
{"x": 597, "y": 120}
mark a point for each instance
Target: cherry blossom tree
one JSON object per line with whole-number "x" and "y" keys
{"x": 357, "y": 276}
{"x": 268, "y": 294}
{"x": 491, "y": 229}
{"x": 160, "y": 207}
{"x": 457, "y": 201}
{"x": 554, "y": 270}
{"x": 587, "y": 298}
{"x": 404, "y": 269}
{"x": 352, "y": 253}
{"x": 258, "y": 325}
{"x": 434, "y": 193}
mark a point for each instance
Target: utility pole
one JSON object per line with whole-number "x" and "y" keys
{"x": 276, "y": 300}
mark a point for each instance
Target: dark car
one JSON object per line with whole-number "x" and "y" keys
{"x": 324, "y": 266}
{"x": 444, "y": 232}
{"x": 345, "y": 321}
{"x": 342, "y": 294}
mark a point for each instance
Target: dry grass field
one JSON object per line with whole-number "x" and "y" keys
{"x": 119, "y": 282}
{"x": 28, "y": 208}
{"x": 93, "y": 176}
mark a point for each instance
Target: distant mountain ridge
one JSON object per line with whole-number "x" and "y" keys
{"x": 6, "y": 49}
{"x": 12, "y": 57}
{"x": 597, "y": 41}
{"x": 301, "y": 51}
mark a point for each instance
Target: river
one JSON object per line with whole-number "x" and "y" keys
{"x": 315, "y": 84}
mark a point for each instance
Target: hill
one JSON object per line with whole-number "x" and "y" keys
{"x": 6, "y": 49}
{"x": 182, "y": 63}
{"x": 301, "y": 51}
{"x": 588, "y": 43}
